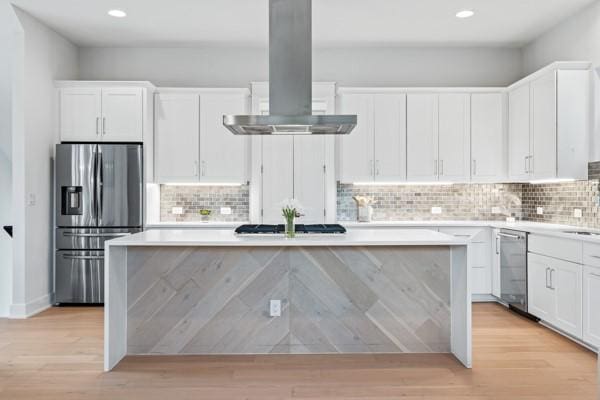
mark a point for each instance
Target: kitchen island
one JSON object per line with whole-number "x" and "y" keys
{"x": 178, "y": 292}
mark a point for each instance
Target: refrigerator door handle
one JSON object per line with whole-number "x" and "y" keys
{"x": 99, "y": 180}
{"x": 96, "y": 234}
{"x": 94, "y": 184}
{"x": 70, "y": 257}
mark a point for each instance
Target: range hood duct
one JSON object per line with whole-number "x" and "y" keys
{"x": 290, "y": 80}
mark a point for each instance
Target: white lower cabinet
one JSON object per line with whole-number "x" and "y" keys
{"x": 591, "y": 305}
{"x": 479, "y": 253}
{"x": 555, "y": 293}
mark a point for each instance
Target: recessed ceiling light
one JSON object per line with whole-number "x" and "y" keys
{"x": 465, "y": 14}
{"x": 117, "y": 13}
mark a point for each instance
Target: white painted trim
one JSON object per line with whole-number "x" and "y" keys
{"x": 72, "y": 83}
{"x": 433, "y": 90}
{"x": 568, "y": 336}
{"x": 559, "y": 65}
{"x": 460, "y": 305}
{"x": 22, "y": 311}
{"x": 232, "y": 91}
{"x": 115, "y": 306}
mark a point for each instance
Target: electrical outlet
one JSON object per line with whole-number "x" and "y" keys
{"x": 31, "y": 199}
{"x": 436, "y": 210}
{"x": 275, "y": 308}
{"x": 577, "y": 213}
{"x": 225, "y": 210}
{"x": 496, "y": 210}
{"x": 540, "y": 211}
{"x": 177, "y": 210}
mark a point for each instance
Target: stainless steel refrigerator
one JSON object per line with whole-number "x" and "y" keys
{"x": 99, "y": 196}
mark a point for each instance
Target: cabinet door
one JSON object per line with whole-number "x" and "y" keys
{"x": 177, "y": 121}
{"x": 309, "y": 178}
{"x": 496, "y": 278}
{"x": 518, "y": 133}
{"x": 222, "y": 154}
{"x": 356, "y": 150}
{"x": 543, "y": 137}
{"x": 122, "y": 115}
{"x": 422, "y": 137}
{"x": 540, "y": 296}
{"x": 277, "y": 176}
{"x": 80, "y": 114}
{"x": 591, "y": 305}
{"x": 389, "y": 112}
{"x": 454, "y": 137}
{"x": 565, "y": 280}
{"x": 487, "y": 137}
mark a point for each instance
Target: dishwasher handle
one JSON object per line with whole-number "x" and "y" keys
{"x": 509, "y": 235}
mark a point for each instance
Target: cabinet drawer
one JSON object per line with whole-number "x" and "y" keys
{"x": 563, "y": 249}
{"x": 591, "y": 254}
{"x": 475, "y": 234}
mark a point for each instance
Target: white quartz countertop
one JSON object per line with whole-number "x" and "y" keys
{"x": 227, "y": 237}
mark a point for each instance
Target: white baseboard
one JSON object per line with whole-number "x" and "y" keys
{"x": 483, "y": 298}
{"x": 26, "y": 310}
{"x": 568, "y": 336}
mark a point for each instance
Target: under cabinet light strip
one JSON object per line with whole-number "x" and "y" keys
{"x": 403, "y": 183}
{"x": 200, "y": 184}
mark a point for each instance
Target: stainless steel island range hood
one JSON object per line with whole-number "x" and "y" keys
{"x": 290, "y": 80}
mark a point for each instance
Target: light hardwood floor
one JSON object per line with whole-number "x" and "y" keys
{"x": 58, "y": 355}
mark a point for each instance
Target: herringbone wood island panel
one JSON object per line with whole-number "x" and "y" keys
{"x": 215, "y": 300}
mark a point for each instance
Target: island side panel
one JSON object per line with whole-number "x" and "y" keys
{"x": 115, "y": 306}
{"x": 461, "y": 305}
{"x": 215, "y": 300}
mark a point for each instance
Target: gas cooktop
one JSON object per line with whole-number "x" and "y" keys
{"x": 300, "y": 228}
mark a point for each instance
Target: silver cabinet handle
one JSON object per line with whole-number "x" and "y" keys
{"x": 596, "y": 275}
{"x": 195, "y": 168}
{"x": 552, "y": 280}
{"x": 526, "y": 169}
{"x": 74, "y": 234}
{"x": 203, "y": 168}
{"x": 435, "y": 167}
{"x": 377, "y": 167}
{"x": 97, "y": 126}
{"x": 103, "y": 126}
{"x": 547, "y": 284}
{"x": 68, "y": 257}
{"x": 508, "y": 235}
{"x": 372, "y": 167}
{"x": 474, "y": 167}
{"x": 593, "y": 256}
{"x": 497, "y": 245}
{"x": 531, "y": 171}
{"x": 441, "y": 167}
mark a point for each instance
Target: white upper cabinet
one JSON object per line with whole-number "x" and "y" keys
{"x": 177, "y": 118}
{"x": 101, "y": 114}
{"x": 549, "y": 125}
{"x": 375, "y": 151}
{"x": 488, "y": 141}
{"x": 191, "y": 143}
{"x": 454, "y": 137}
{"x": 518, "y": 128}
{"x": 422, "y": 137}
{"x": 309, "y": 177}
{"x": 389, "y": 127}
{"x": 277, "y": 172}
{"x": 356, "y": 149}
{"x": 80, "y": 114}
{"x": 122, "y": 115}
{"x": 223, "y": 155}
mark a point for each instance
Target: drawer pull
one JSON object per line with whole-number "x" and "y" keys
{"x": 95, "y": 234}
{"x": 593, "y": 256}
{"x": 596, "y": 275}
{"x": 67, "y": 257}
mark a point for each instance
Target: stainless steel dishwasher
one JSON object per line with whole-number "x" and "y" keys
{"x": 513, "y": 269}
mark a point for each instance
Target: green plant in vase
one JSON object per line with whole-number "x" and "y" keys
{"x": 290, "y": 210}
{"x": 205, "y": 214}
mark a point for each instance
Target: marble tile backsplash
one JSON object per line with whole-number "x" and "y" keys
{"x": 458, "y": 202}
{"x": 193, "y": 199}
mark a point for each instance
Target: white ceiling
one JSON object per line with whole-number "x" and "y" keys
{"x": 335, "y": 22}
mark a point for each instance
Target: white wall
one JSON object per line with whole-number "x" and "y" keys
{"x": 576, "y": 39}
{"x": 44, "y": 56}
{"x": 7, "y": 37}
{"x": 350, "y": 66}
